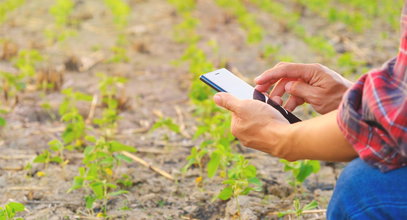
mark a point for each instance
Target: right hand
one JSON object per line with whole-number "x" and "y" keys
{"x": 315, "y": 84}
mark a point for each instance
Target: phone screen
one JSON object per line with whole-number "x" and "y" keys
{"x": 222, "y": 80}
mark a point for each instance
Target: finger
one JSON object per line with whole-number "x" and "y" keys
{"x": 277, "y": 99}
{"x": 287, "y": 70}
{"x": 264, "y": 87}
{"x": 279, "y": 88}
{"x": 227, "y": 101}
{"x": 300, "y": 89}
{"x": 293, "y": 102}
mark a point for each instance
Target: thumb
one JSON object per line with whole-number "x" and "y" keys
{"x": 227, "y": 101}
{"x": 300, "y": 89}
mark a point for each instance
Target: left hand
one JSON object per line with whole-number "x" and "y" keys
{"x": 255, "y": 123}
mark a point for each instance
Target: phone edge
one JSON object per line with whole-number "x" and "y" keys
{"x": 211, "y": 84}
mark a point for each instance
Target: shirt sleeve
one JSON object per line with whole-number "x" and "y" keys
{"x": 372, "y": 116}
{"x": 373, "y": 113}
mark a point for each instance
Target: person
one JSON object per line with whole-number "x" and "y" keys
{"x": 363, "y": 122}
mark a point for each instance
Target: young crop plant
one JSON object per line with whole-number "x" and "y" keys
{"x": 248, "y": 22}
{"x": 55, "y": 155}
{"x": 300, "y": 170}
{"x": 168, "y": 123}
{"x": 110, "y": 88}
{"x": 354, "y": 20}
{"x": 214, "y": 123}
{"x": 26, "y": 61}
{"x": 13, "y": 83}
{"x": 121, "y": 13}
{"x": 98, "y": 177}
{"x": 8, "y": 6}
{"x": 241, "y": 180}
{"x": 61, "y": 11}
{"x": 9, "y": 211}
{"x": 75, "y": 130}
{"x": 298, "y": 210}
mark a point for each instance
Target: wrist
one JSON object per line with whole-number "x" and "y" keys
{"x": 280, "y": 140}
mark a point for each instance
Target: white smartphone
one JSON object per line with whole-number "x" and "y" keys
{"x": 222, "y": 80}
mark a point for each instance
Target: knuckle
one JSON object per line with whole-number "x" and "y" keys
{"x": 280, "y": 64}
{"x": 316, "y": 65}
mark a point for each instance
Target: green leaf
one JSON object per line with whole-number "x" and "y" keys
{"x": 77, "y": 183}
{"x": 226, "y": 193}
{"x": 316, "y": 166}
{"x": 116, "y": 146}
{"x": 55, "y": 145}
{"x": 119, "y": 192}
{"x": 3, "y": 122}
{"x": 97, "y": 188}
{"x": 89, "y": 200}
{"x": 304, "y": 172}
{"x": 213, "y": 164}
{"x": 16, "y": 207}
{"x": 311, "y": 205}
{"x": 42, "y": 158}
{"x": 250, "y": 171}
{"x": 124, "y": 158}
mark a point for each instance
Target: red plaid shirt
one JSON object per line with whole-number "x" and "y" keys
{"x": 373, "y": 113}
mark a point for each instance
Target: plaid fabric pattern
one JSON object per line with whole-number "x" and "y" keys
{"x": 373, "y": 113}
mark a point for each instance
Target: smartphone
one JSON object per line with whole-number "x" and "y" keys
{"x": 222, "y": 80}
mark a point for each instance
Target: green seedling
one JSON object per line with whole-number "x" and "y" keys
{"x": 167, "y": 123}
{"x": 298, "y": 209}
{"x": 120, "y": 11}
{"x": 195, "y": 158}
{"x": 301, "y": 170}
{"x": 183, "y": 6}
{"x": 9, "y": 211}
{"x": 214, "y": 124}
{"x": 55, "y": 155}
{"x": 75, "y": 130}
{"x": 119, "y": 55}
{"x": 98, "y": 175}
{"x": 8, "y": 6}
{"x": 242, "y": 179}
{"x": 109, "y": 87}
{"x": 61, "y": 11}
{"x": 26, "y": 61}
{"x": 254, "y": 31}
{"x": 11, "y": 85}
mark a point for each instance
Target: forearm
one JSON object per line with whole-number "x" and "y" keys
{"x": 318, "y": 139}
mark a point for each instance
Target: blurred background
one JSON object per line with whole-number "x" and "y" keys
{"x": 79, "y": 74}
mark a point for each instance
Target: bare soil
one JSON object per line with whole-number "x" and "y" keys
{"x": 155, "y": 87}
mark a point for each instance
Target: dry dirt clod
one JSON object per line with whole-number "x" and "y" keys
{"x": 49, "y": 79}
{"x": 10, "y": 50}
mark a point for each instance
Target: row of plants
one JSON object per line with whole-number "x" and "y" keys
{"x": 8, "y": 6}
{"x": 317, "y": 42}
{"x": 246, "y": 20}
{"x": 98, "y": 177}
{"x": 120, "y": 12}
{"x": 239, "y": 176}
{"x": 63, "y": 23}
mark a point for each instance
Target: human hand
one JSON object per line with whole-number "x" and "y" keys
{"x": 255, "y": 123}
{"x": 315, "y": 84}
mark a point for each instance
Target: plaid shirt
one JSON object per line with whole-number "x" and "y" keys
{"x": 373, "y": 113}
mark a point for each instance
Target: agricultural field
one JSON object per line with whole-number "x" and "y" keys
{"x": 103, "y": 116}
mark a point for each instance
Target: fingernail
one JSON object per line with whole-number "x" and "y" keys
{"x": 257, "y": 78}
{"x": 217, "y": 99}
{"x": 288, "y": 86}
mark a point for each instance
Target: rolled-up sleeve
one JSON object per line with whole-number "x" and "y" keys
{"x": 373, "y": 113}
